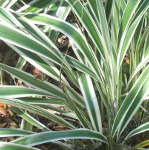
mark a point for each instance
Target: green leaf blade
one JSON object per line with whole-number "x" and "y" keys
{"x": 48, "y": 136}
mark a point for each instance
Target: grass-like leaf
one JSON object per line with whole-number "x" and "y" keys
{"x": 132, "y": 102}
{"x": 49, "y": 136}
{"x": 91, "y": 102}
{"x": 6, "y": 146}
{"x": 32, "y": 81}
{"x": 142, "y": 128}
{"x": 7, "y": 132}
{"x": 36, "y": 110}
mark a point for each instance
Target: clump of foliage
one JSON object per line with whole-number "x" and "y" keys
{"x": 105, "y": 87}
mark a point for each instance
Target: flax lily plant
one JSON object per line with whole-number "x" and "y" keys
{"x": 104, "y": 87}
